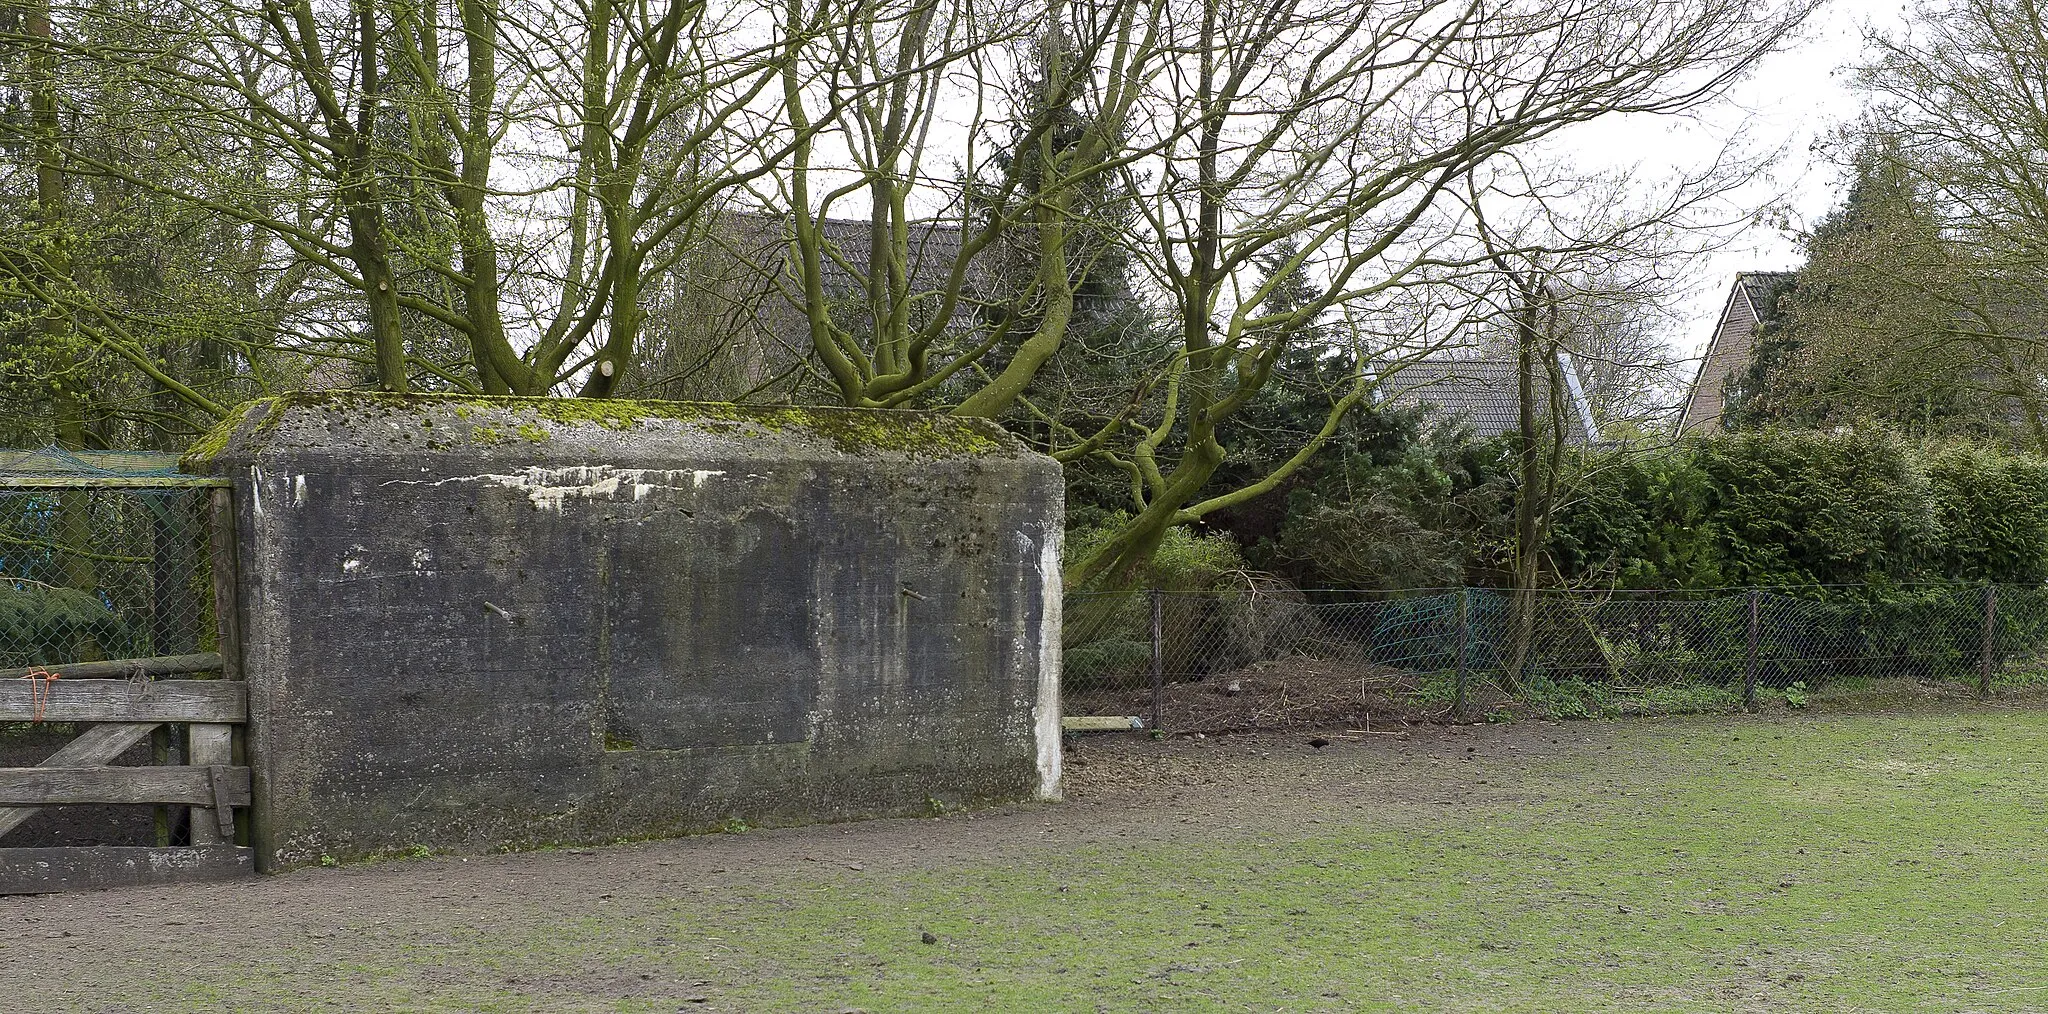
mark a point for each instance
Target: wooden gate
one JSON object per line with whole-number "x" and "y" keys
{"x": 124, "y": 712}
{"x": 121, "y": 704}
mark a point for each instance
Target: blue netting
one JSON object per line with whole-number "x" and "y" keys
{"x": 41, "y": 462}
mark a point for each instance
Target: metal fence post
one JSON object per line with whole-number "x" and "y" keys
{"x": 1990, "y": 640}
{"x": 1464, "y": 641}
{"x": 1749, "y": 665}
{"x": 1158, "y": 654}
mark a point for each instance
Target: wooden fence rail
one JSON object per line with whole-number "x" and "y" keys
{"x": 160, "y": 665}
{"x": 182, "y": 786}
{"x": 97, "y": 867}
{"x": 87, "y": 700}
{"x": 97, "y": 745}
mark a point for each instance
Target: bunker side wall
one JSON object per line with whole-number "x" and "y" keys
{"x": 467, "y": 651}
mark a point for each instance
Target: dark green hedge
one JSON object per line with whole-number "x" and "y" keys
{"x": 1803, "y": 509}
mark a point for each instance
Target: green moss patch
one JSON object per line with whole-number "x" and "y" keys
{"x": 213, "y": 441}
{"x": 498, "y": 420}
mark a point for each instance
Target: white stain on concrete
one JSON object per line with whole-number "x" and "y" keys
{"x": 550, "y": 488}
{"x": 256, "y": 490}
{"x": 1046, "y": 715}
{"x": 298, "y": 491}
{"x": 354, "y": 561}
{"x": 422, "y": 561}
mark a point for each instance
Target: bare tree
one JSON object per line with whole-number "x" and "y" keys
{"x": 480, "y": 195}
{"x": 1347, "y": 129}
{"x": 505, "y": 174}
{"x": 135, "y": 311}
{"x": 1573, "y": 257}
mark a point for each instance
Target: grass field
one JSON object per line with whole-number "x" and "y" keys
{"x": 1802, "y": 862}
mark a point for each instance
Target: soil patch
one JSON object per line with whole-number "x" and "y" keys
{"x": 1297, "y": 693}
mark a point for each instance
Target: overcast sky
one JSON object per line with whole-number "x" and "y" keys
{"x": 1794, "y": 98}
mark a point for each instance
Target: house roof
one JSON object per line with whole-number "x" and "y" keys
{"x": 759, "y": 239}
{"x": 1731, "y": 344}
{"x": 1756, "y": 287}
{"x": 1483, "y": 392}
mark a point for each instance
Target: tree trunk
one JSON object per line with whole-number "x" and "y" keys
{"x": 362, "y": 198}
{"x": 1531, "y": 507}
{"x": 1522, "y": 608}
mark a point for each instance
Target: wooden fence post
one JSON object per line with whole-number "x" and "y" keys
{"x": 1990, "y": 645}
{"x": 1749, "y": 665}
{"x": 211, "y": 746}
{"x": 1158, "y": 655}
{"x": 160, "y": 756}
{"x": 1464, "y": 641}
{"x": 227, "y": 615}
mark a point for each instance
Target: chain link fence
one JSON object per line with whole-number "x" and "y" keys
{"x": 1273, "y": 656}
{"x": 98, "y": 563}
{"x": 104, "y": 556}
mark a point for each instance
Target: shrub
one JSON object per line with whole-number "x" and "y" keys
{"x": 1797, "y": 508}
{"x": 1108, "y": 636}
{"x": 41, "y": 624}
{"x": 1992, "y": 510}
{"x": 1186, "y": 560}
{"x": 1108, "y": 661}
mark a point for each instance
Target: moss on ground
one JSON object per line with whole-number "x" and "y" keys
{"x": 1840, "y": 864}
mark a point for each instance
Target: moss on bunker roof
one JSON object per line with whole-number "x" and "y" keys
{"x": 496, "y": 420}
{"x": 215, "y": 440}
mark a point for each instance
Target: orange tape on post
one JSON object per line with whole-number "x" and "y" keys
{"x": 39, "y": 680}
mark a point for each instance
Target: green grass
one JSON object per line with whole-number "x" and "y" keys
{"x": 1853, "y": 864}
{"x": 1808, "y": 862}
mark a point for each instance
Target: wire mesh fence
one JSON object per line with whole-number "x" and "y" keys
{"x": 96, "y": 565}
{"x": 1187, "y": 658}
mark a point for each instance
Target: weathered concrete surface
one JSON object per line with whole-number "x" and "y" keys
{"x": 477, "y": 623}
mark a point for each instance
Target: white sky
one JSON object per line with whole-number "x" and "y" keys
{"x": 1794, "y": 98}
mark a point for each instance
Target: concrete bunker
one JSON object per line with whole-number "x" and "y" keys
{"x": 479, "y": 623}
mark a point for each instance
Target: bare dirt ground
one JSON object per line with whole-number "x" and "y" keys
{"x": 94, "y": 951}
